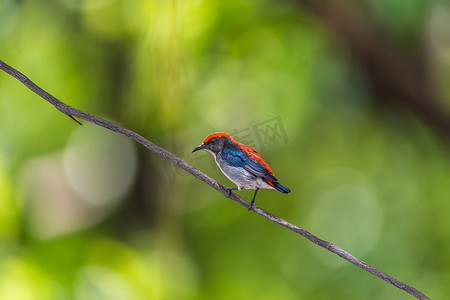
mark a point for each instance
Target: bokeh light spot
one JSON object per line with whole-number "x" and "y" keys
{"x": 350, "y": 217}
{"x": 100, "y": 165}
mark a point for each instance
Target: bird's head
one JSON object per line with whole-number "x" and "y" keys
{"x": 215, "y": 142}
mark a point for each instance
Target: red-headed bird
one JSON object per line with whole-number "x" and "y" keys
{"x": 241, "y": 164}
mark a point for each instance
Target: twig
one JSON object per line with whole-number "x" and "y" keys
{"x": 71, "y": 112}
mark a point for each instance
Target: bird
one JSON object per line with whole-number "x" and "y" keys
{"x": 241, "y": 164}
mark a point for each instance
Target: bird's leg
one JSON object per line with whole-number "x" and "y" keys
{"x": 253, "y": 199}
{"x": 230, "y": 189}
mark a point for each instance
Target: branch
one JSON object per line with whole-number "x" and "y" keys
{"x": 72, "y": 112}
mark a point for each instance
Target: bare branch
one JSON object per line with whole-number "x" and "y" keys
{"x": 72, "y": 112}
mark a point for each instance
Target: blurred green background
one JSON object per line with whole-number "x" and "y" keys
{"x": 88, "y": 214}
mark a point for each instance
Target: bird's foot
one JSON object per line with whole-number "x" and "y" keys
{"x": 253, "y": 200}
{"x": 229, "y": 191}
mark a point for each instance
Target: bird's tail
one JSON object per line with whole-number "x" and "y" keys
{"x": 281, "y": 188}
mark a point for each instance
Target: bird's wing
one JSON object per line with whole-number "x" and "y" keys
{"x": 250, "y": 161}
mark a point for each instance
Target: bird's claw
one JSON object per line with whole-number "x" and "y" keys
{"x": 253, "y": 199}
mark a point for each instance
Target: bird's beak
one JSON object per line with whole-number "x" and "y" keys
{"x": 199, "y": 147}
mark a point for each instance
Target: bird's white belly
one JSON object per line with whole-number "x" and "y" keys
{"x": 241, "y": 177}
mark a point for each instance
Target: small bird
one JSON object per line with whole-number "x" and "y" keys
{"x": 241, "y": 164}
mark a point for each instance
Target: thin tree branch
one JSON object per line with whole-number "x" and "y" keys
{"x": 72, "y": 112}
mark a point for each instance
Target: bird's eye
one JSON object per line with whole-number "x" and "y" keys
{"x": 213, "y": 141}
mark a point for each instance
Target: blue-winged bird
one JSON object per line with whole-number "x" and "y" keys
{"x": 241, "y": 164}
